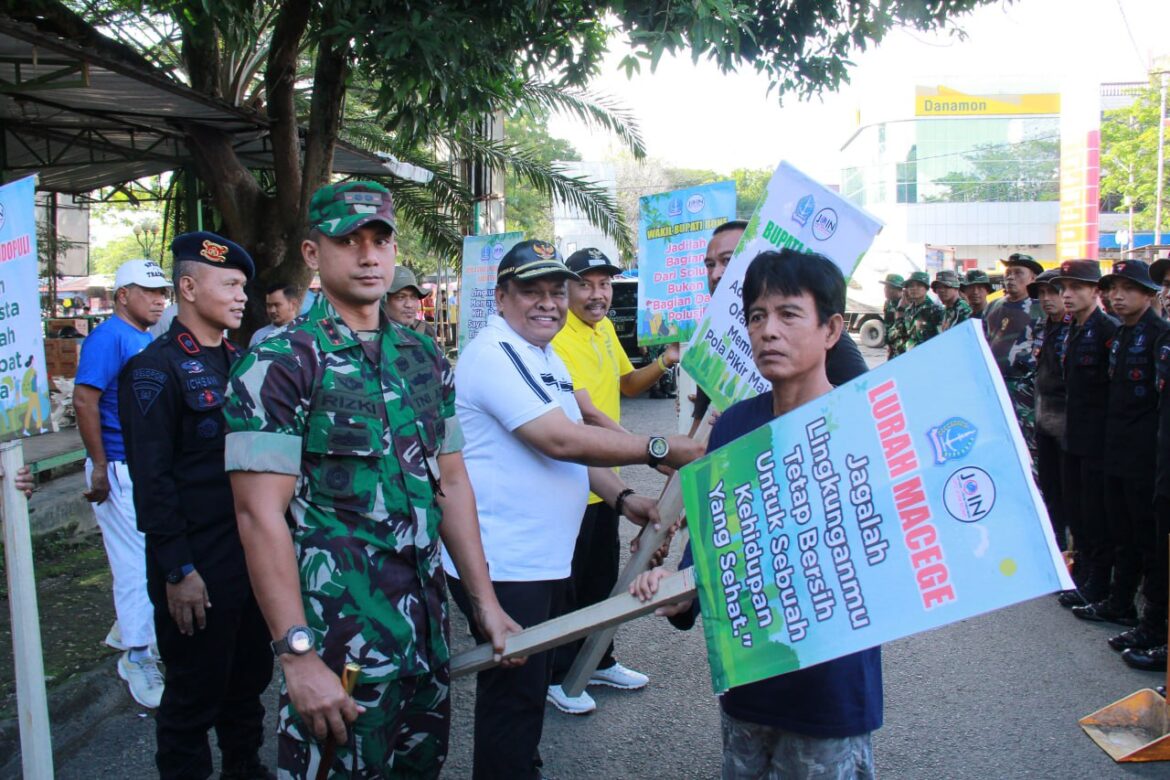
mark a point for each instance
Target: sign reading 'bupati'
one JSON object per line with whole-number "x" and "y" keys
{"x": 892, "y": 505}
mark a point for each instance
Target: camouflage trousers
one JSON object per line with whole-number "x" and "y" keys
{"x": 402, "y": 734}
{"x": 1023, "y": 395}
{"x": 754, "y": 752}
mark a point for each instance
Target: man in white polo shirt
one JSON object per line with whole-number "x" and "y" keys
{"x": 532, "y": 464}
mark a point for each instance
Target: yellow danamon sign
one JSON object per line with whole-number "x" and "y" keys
{"x": 944, "y": 101}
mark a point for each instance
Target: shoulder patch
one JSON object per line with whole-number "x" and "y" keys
{"x": 147, "y": 383}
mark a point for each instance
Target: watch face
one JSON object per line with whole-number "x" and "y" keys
{"x": 300, "y": 641}
{"x": 658, "y": 447}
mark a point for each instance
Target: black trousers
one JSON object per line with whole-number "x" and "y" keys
{"x": 509, "y": 703}
{"x": 1050, "y": 466}
{"x": 1157, "y": 568}
{"x": 1131, "y": 512}
{"x": 1084, "y": 508}
{"x": 214, "y": 679}
{"x": 595, "y": 571}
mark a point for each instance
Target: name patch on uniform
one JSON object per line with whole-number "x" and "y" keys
{"x": 147, "y": 383}
{"x": 200, "y": 382}
{"x": 341, "y": 401}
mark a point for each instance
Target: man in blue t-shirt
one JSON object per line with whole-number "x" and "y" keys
{"x": 139, "y": 300}
{"x": 815, "y": 722}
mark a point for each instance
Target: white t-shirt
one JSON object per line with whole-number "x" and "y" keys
{"x": 530, "y": 505}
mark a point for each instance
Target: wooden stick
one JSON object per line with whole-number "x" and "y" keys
{"x": 670, "y": 508}
{"x": 566, "y": 628}
{"x": 36, "y": 748}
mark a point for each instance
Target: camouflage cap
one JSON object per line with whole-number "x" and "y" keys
{"x": 974, "y": 277}
{"x": 897, "y": 281}
{"x": 945, "y": 278}
{"x": 533, "y": 260}
{"x": 339, "y": 209}
{"x": 922, "y": 277}
{"x": 403, "y": 278}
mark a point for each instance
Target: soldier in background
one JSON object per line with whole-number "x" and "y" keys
{"x": 975, "y": 288}
{"x": 1131, "y": 437}
{"x": 1008, "y": 324}
{"x": 923, "y": 316}
{"x": 1050, "y": 399}
{"x": 955, "y": 309}
{"x": 1086, "y": 363}
{"x": 892, "y": 312}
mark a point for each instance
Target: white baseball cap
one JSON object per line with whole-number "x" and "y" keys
{"x": 144, "y": 273}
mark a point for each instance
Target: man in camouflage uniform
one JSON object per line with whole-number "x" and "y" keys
{"x": 975, "y": 289}
{"x": 923, "y": 316}
{"x": 892, "y": 314}
{"x": 344, "y": 423}
{"x": 955, "y": 309}
{"x": 1009, "y": 325}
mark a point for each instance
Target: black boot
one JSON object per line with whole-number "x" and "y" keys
{"x": 1152, "y": 660}
{"x": 250, "y": 768}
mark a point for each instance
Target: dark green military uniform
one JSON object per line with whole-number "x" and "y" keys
{"x": 892, "y": 313}
{"x": 920, "y": 321}
{"x": 1010, "y": 328}
{"x": 956, "y": 312}
{"x": 360, "y": 419}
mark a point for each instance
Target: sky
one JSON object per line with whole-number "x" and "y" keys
{"x": 1041, "y": 44}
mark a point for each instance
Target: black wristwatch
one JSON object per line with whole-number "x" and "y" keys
{"x": 175, "y": 576}
{"x": 298, "y": 640}
{"x": 656, "y": 450}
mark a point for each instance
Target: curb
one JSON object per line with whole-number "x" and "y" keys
{"x": 76, "y": 706}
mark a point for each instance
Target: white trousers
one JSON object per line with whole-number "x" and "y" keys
{"x": 126, "y": 549}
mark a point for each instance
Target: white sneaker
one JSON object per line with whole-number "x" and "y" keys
{"x": 618, "y": 676}
{"x": 144, "y": 678}
{"x": 573, "y": 705}
{"x": 114, "y": 638}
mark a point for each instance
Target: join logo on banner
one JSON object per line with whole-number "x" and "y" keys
{"x": 893, "y": 505}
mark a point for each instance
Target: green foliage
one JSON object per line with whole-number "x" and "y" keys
{"x": 527, "y": 209}
{"x": 1026, "y": 171}
{"x": 1129, "y": 154}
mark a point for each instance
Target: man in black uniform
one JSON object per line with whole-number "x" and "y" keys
{"x": 1145, "y": 647}
{"x": 1050, "y": 398}
{"x": 1131, "y": 431}
{"x": 1086, "y": 363}
{"x": 211, "y": 636}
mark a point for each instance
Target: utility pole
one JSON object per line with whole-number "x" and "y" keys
{"x": 1159, "y": 183}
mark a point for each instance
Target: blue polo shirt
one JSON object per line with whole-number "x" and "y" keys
{"x": 103, "y": 353}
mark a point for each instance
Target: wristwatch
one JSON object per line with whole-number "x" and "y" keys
{"x": 656, "y": 450}
{"x": 175, "y": 576}
{"x": 298, "y": 640}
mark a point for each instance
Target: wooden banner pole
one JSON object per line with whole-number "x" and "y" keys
{"x": 36, "y": 749}
{"x": 670, "y": 509}
{"x": 566, "y": 628}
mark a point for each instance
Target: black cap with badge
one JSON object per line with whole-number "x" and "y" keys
{"x": 1137, "y": 271}
{"x": 532, "y": 260}
{"x": 211, "y": 249}
{"x": 592, "y": 259}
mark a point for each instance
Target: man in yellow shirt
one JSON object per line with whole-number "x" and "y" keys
{"x": 602, "y": 374}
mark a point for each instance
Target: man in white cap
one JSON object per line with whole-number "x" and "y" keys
{"x": 139, "y": 299}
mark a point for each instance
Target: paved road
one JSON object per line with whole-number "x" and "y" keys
{"x": 993, "y": 697}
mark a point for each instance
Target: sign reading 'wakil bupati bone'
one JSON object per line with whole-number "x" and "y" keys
{"x": 892, "y": 505}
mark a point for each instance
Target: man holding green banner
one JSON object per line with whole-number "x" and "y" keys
{"x": 820, "y": 716}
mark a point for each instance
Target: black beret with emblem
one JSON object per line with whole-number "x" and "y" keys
{"x": 212, "y": 249}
